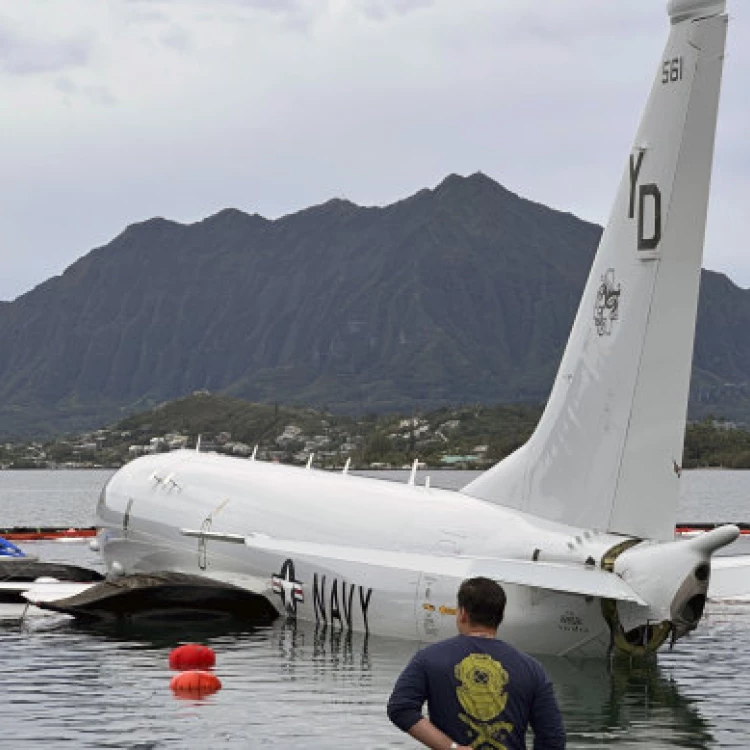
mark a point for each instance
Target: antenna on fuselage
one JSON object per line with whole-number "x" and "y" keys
{"x": 309, "y": 461}
{"x": 347, "y": 465}
{"x": 198, "y": 444}
{"x": 413, "y": 475}
{"x": 255, "y": 452}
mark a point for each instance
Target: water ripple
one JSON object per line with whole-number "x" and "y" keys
{"x": 69, "y": 686}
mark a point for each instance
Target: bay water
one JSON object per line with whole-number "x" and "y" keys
{"x": 73, "y": 686}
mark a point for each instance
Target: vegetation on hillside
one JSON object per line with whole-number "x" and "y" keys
{"x": 469, "y": 436}
{"x": 716, "y": 444}
{"x": 461, "y": 293}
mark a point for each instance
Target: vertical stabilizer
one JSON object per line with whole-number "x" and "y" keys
{"x": 607, "y": 452}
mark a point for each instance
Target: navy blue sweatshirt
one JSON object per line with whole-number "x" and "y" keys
{"x": 480, "y": 692}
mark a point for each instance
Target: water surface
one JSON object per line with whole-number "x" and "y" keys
{"x": 71, "y": 686}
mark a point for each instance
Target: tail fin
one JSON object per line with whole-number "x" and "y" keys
{"x": 607, "y": 452}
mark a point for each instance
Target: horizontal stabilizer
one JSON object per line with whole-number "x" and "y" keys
{"x": 357, "y": 563}
{"x": 730, "y": 578}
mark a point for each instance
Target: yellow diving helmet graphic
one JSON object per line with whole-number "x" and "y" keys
{"x": 482, "y": 695}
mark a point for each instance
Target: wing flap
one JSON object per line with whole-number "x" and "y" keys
{"x": 363, "y": 562}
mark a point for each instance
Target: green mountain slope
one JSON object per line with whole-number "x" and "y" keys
{"x": 464, "y": 293}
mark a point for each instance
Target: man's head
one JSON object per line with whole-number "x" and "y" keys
{"x": 481, "y": 604}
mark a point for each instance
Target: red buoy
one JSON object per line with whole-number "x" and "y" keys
{"x": 192, "y": 656}
{"x": 195, "y": 684}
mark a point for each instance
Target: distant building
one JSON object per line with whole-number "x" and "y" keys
{"x": 239, "y": 449}
{"x": 291, "y": 433}
{"x": 456, "y": 460}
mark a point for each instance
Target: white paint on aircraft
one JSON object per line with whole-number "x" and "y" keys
{"x": 578, "y": 524}
{"x": 605, "y": 450}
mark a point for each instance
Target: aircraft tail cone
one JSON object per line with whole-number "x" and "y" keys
{"x": 682, "y": 10}
{"x": 715, "y": 539}
{"x": 673, "y": 578}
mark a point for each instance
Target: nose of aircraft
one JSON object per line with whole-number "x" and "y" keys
{"x": 673, "y": 578}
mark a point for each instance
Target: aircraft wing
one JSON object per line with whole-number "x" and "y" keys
{"x": 730, "y": 578}
{"x": 52, "y": 591}
{"x": 14, "y": 593}
{"x": 362, "y": 563}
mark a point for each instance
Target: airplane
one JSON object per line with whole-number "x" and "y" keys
{"x": 578, "y": 524}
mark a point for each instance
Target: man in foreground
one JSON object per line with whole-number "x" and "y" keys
{"x": 481, "y": 693}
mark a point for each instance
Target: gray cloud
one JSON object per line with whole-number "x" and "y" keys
{"x": 20, "y": 55}
{"x": 382, "y": 98}
{"x": 272, "y": 6}
{"x": 177, "y": 38}
{"x": 142, "y": 14}
{"x": 297, "y": 15}
{"x": 380, "y": 10}
{"x": 98, "y": 95}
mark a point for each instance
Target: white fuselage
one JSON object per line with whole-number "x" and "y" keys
{"x": 147, "y": 503}
{"x": 386, "y": 558}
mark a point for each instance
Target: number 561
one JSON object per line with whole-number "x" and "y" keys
{"x": 671, "y": 70}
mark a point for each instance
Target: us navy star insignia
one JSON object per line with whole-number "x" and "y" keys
{"x": 288, "y": 587}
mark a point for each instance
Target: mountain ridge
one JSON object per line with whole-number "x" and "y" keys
{"x": 460, "y": 293}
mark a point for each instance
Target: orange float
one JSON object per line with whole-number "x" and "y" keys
{"x": 195, "y": 684}
{"x": 192, "y": 656}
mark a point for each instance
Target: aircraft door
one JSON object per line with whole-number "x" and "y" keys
{"x": 435, "y": 607}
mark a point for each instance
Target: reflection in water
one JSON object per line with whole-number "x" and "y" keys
{"x": 283, "y": 686}
{"x": 622, "y": 703}
{"x": 155, "y": 634}
{"x": 302, "y": 686}
{"x": 627, "y": 703}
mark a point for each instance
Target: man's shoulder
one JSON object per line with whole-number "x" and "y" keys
{"x": 441, "y": 649}
{"x": 441, "y": 646}
{"x": 521, "y": 658}
{"x": 513, "y": 651}
{"x": 460, "y": 646}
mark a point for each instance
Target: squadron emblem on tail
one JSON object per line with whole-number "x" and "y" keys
{"x": 607, "y": 305}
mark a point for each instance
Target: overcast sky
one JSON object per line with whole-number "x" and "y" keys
{"x": 115, "y": 111}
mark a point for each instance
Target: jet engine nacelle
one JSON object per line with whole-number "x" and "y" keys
{"x": 673, "y": 578}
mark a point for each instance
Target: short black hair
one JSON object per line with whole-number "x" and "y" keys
{"x": 484, "y": 601}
